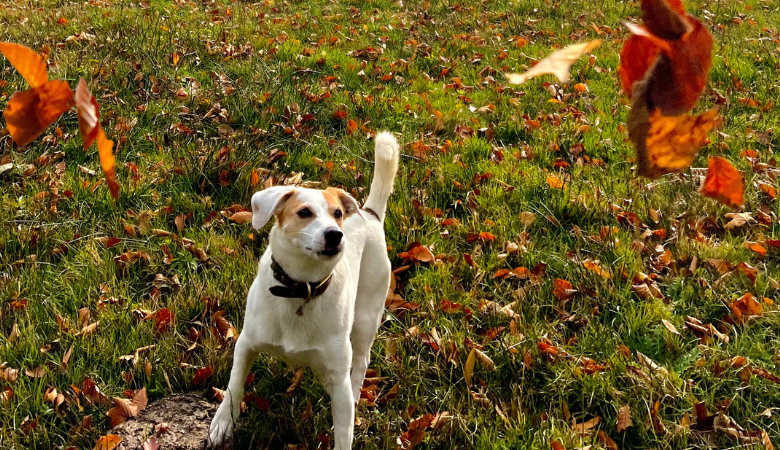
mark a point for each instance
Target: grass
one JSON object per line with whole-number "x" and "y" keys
{"x": 266, "y": 78}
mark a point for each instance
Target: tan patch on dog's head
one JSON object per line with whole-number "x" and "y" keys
{"x": 333, "y": 199}
{"x": 288, "y": 213}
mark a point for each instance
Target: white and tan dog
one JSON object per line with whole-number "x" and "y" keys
{"x": 320, "y": 290}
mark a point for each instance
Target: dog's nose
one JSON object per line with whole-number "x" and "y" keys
{"x": 333, "y": 238}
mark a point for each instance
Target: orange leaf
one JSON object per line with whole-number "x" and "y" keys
{"x": 554, "y": 182}
{"x": 27, "y": 62}
{"x": 108, "y": 442}
{"x": 667, "y": 144}
{"x": 562, "y": 289}
{"x": 596, "y": 268}
{"x": 89, "y": 125}
{"x": 421, "y": 253}
{"x": 351, "y": 126}
{"x": 485, "y": 236}
{"x": 557, "y": 445}
{"x": 723, "y": 182}
{"x": 756, "y": 247}
{"x": 29, "y": 113}
{"x": 767, "y": 189}
{"x": 557, "y": 63}
{"x": 450, "y": 222}
{"x": 107, "y": 160}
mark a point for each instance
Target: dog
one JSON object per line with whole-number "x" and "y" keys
{"x": 319, "y": 294}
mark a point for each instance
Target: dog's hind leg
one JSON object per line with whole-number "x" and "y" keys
{"x": 228, "y": 412}
{"x": 369, "y": 306}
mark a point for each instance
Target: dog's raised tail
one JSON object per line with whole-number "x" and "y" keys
{"x": 385, "y": 167}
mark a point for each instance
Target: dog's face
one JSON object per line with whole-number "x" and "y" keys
{"x": 310, "y": 221}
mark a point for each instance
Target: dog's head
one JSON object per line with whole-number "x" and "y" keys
{"x": 309, "y": 220}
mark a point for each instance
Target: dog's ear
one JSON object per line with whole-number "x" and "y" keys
{"x": 350, "y": 204}
{"x": 268, "y": 202}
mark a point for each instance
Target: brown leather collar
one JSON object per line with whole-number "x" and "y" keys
{"x": 308, "y": 291}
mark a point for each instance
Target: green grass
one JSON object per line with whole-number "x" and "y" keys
{"x": 299, "y": 51}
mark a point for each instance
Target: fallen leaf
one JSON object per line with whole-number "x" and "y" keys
{"x": 554, "y": 182}
{"x": 557, "y": 63}
{"x": 468, "y": 368}
{"x": 242, "y": 217}
{"x": 624, "y": 418}
{"x": 606, "y": 440}
{"x": 108, "y": 442}
{"x": 670, "y": 326}
{"x": 201, "y": 375}
{"x": 563, "y": 289}
{"x": 125, "y": 408}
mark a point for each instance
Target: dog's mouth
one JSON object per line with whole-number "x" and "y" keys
{"x": 330, "y": 252}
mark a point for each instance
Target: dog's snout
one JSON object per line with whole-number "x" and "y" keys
{"x": 333, "y": 237}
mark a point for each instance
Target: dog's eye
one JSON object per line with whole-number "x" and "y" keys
{"x": 337, "y": 214}
{"x": 304, "y": 213}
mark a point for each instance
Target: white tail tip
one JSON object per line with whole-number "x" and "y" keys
{"x": 386, "y": 146}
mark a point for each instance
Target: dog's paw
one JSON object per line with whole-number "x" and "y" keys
{"x": 220, "y": 432}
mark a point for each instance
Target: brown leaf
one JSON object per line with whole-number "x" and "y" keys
{"x": 606, "y": 440}
{"x": 37, "y": 372}
{"x": 201, "y": 375}
{"x": 296, "y": 381}
{"x": 242, "y": 217}
{"x": 624, "y": 418}
{"x": 8, "y": 374}
{"x": 585, "y": 427}
{"x": 670, "y": 326}
{"x": 557, "y": 63}
{"x": 658, "y": 426}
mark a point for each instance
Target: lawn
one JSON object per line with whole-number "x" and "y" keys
{"x": 208, "y": 102}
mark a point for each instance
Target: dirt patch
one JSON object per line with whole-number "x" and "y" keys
{"x": 187, "y": 416}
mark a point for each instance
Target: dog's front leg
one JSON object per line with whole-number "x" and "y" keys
{"x": 222, "y": 423}
{"x": 343, "y": 407}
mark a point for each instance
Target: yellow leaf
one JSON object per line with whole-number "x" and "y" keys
{"x": 468, "y": 369}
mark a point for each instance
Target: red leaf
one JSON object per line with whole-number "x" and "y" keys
{"x": 201, "y": 375}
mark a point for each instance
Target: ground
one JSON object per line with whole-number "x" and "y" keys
{"x": 208, "y": 102}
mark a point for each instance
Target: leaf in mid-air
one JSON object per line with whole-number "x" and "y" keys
{"x": 557, "y": 63}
